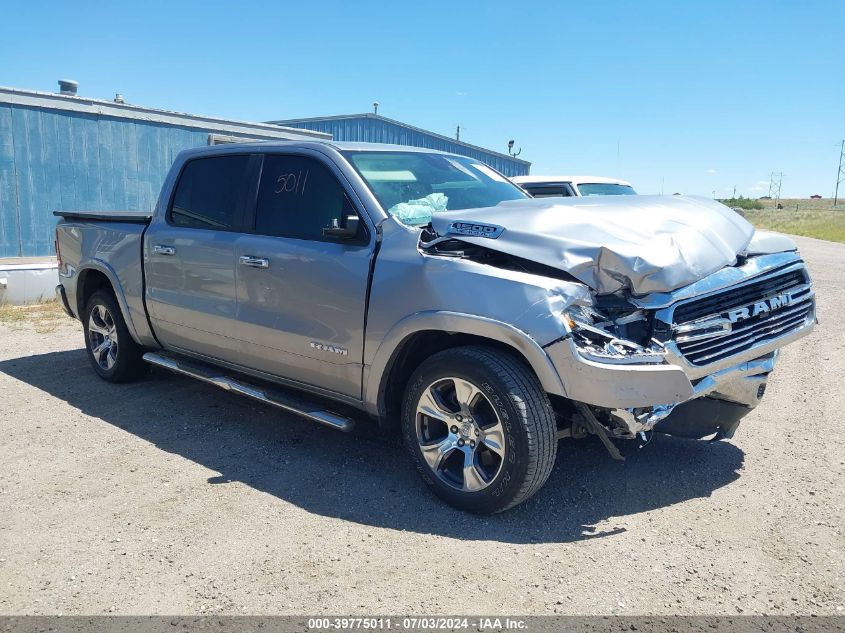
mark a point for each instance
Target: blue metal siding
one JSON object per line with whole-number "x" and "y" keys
{"x": 372, "y": 130}
{"x": 9, "y": 239}
{"x": 60, "y": 159}
{"x": 56, "y": 159}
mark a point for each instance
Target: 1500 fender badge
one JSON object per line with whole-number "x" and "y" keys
{"x": 474, "y": 229}
{"x": 325, "y": 347}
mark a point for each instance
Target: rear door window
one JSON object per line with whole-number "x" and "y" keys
{"x": 298, "y": 197}
{"x": 548, "y": 191}
{"x": 211, "y": 193}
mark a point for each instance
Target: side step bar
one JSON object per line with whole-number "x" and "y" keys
{"x": 213, "y": 376}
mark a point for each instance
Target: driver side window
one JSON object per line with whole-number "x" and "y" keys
{"x": 298, "y": 197}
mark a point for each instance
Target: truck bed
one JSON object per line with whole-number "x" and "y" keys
{"x": 105, "y": 243}
{"x": 135, "y": 217}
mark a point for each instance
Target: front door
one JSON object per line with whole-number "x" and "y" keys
{"x": 190, "y": 258}
{"x": 302, "y": 294}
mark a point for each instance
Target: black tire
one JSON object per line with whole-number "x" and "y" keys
{"x": 121, "y": 361}
{"x": 524, "y": 411}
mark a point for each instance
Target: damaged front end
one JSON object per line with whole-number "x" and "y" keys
{"x": 688, "y": 361}
{"x": 722, "y": 334}
{"x": 615, "y": 332}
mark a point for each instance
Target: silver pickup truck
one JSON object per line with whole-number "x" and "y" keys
{"x": 428, "y": 291}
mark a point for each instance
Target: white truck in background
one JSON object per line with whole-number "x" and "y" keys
{"x": 569, "y": 186}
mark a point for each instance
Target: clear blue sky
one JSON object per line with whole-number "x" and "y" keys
{"x": 699, "y": 96}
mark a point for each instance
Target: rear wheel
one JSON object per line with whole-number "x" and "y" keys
{"x": 112, "y": 352}
{"x": 480, "y": 428}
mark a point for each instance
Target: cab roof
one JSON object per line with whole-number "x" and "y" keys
{"x": 577, "y": 180}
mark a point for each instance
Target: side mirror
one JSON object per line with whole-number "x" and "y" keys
{"x": 348, "y": 231}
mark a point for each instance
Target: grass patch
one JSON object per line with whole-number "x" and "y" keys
{"x": 45, "y": 317}
{"x": 810, "y": 218}
{"x": 743, "y": 203}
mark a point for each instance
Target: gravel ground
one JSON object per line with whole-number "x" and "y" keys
{"x": 171, "y": 497}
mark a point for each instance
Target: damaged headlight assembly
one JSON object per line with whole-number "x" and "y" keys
{"x": 599, "y": 338}
{"x": 604, "y": 339}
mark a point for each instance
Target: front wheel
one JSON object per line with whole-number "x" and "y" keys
{"x": 480, "y": 429}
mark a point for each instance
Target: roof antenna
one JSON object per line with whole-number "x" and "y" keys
{"x": 375, "y": 107}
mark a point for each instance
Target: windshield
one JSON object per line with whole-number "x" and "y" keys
{"x": 412, "y": 186}
{"x": 605, "y": 189}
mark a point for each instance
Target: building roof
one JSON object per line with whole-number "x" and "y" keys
{"x": 75, "y": 103}
{"x": 343, "y": 146}
{"x": 384, "y": 119}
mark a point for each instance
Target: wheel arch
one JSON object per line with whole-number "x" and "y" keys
{"x": 98, "y": 275}
{"x": 419, "y": 336}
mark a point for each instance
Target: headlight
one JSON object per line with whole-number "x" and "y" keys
{"x": 598, "y": 337}
{"x": 587, "y": 319}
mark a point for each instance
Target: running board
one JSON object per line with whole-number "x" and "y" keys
{"x": 213, "y": 376}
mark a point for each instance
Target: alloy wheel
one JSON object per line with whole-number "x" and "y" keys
{"x": 460, "y": 434}
{"x": 102, "y": 337}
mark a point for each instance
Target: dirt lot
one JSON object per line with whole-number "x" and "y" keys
{"x": 170, "y": 497}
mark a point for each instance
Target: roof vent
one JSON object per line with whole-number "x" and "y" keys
{"x": 118, "y": 98}
{"x": 68, "y": 87}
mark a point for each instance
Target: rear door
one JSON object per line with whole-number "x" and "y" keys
{"x": 302, "y": 294}
{"x": 190, "y": 257}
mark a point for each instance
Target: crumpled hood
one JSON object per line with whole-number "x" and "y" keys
{"x": 643, "y": 243}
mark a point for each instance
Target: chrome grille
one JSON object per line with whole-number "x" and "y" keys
{"x": 750, "y": 332}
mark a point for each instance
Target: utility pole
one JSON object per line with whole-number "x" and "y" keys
{"x": 775, "y": 184}
{"x": 840, "y": 175}
{"x": 734, "y": 196}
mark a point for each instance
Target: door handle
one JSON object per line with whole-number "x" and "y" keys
{"x": 254, "y": 262}
{"x": 161, "y": 249}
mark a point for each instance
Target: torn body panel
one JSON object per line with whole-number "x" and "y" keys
{"x": 413, "y": 290}
{"x": 641, "y": 244}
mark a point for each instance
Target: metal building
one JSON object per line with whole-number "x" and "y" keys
{"x": 374, "y": 128}
{"x": 63, "y": 151}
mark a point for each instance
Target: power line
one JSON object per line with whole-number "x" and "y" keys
{"x": 840, "y": 174}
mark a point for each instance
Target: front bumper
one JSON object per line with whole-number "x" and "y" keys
{"x": 645, "y": 397}
{"x": 647, "y": 386}
{"x": 702, "y": 417}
